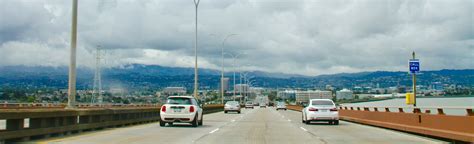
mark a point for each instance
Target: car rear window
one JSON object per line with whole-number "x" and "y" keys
{"x": 232, "y": 103}
{"x": 179, "y": 101}
{"x": 321, "y": 103}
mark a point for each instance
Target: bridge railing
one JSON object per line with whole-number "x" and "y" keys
{"x": 63, "y": 105}
{"x": 420, "y": 120}
{"x": 26, "y": 124}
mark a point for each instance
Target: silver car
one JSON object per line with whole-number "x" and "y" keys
{"x": 232, "y": 106}
{"x": 281, "y": 106}
{"x": 249, "y": 104}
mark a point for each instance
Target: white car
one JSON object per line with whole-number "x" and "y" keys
{"x": 181, "y": 109}
{"x": 320, "y": 110}
{"x": 249, "y": 104}
{"x": 232, "y": 106}
{"x": 280, "y": 106}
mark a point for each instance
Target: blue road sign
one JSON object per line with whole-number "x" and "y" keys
{"x": 414, "y": 65}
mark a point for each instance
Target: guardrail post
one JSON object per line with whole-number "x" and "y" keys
{"x": 440, "y": 111}
{"x": 366, "y": 109}
{"x": 400, "y": 110}
{"x": 469, "y": 112}
{"x": 416, "y": 110}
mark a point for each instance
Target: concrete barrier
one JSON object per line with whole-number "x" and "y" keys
{"x": 46, "y": 122}
{"x": 453, "y": 127}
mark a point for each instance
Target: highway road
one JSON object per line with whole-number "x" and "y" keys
{"x": 254, "y": 126}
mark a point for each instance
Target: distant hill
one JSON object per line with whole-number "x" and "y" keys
{"x": 137, "y": 76}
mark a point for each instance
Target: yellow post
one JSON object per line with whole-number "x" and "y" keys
{"x": 410, "y": 98}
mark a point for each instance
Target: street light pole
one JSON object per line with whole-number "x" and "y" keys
{"x": 222, "y": 72}
{"x": 71, "y": 101}
{"x": 196, "y": 4}
{"x": 233, "y": 65}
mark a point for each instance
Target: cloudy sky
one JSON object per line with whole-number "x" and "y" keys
{"x": 308, "y": 37}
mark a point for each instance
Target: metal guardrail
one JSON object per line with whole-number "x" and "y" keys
{"x": 442, "y": 125}
{"x": 46, "y": 122}
{"x": 62, "y": 105}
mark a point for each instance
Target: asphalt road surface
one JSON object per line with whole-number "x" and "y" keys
{"x": 253, "y": 126}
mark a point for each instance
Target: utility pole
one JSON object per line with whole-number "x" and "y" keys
{"x": 71, "y": 101}
{"x": 196, "y": 4}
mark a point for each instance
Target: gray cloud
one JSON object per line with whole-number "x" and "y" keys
{"x": 307, "y": 37}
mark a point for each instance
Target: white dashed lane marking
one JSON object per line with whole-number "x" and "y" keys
{"x": 303, "y": 129}
{"x": 213, "y": 131}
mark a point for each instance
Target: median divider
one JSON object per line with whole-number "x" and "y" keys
{"x": 27, "y": 124}
{"x": 441, "y": 125}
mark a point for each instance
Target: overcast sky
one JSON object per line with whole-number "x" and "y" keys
{"x": 309, "y": 37}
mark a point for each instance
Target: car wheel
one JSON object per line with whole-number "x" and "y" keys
{"x": 285, "y": 109}
{"x": 195, "y": 121}
{"x": 238, "y": 111}
{"x": 307, "y": 122}
{"x": 336, "y": 122}
{"x": 225, "y": 111}
{"x": 162, "y": 123}
{"x": 200, "y": 122}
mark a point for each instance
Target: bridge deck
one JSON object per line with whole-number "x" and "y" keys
{"x": 252, "y": 126}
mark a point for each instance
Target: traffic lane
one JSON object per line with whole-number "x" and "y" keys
{"x": 347, "y": 132}
{"x": 260, "y": 126}
{"x": 151, "y": 133}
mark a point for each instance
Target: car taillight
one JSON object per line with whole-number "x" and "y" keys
{"x": 334, "y": 109}
{"x": 163, "y": 108}
{"x": 313, "y": 109}
{"x": 191, "y": 109}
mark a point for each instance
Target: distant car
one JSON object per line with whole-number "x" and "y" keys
{"x": 181, "y": 109}
{"x": 232, "y": 106}
{"x": 320, "y": 110}
{"x": 281, "y": 106}
{"x": 263, "y": 105}
{"x": 249, "y": 105}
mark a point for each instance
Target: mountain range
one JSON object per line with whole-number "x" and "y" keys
{"x": 138, "y": 76}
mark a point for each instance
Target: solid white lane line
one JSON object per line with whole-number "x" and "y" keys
{"x": 233, "y": 120}
{"x": 213, "y": 131}
{"x": 289, "y": 120}
{"x": 303, "y": 129}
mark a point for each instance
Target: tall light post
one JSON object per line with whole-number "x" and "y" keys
{"x": 240, "y": 77}
{"x": 71, "y": 98}
{"x": 222, "y": 72}
{"x": 233, "y": 65}
{"x": 246, "y": 80}
{"x": 196, "y": 4}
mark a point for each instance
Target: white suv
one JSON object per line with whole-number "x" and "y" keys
{"x": 181, "y": 109}
{"x": 320, "y": 110}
